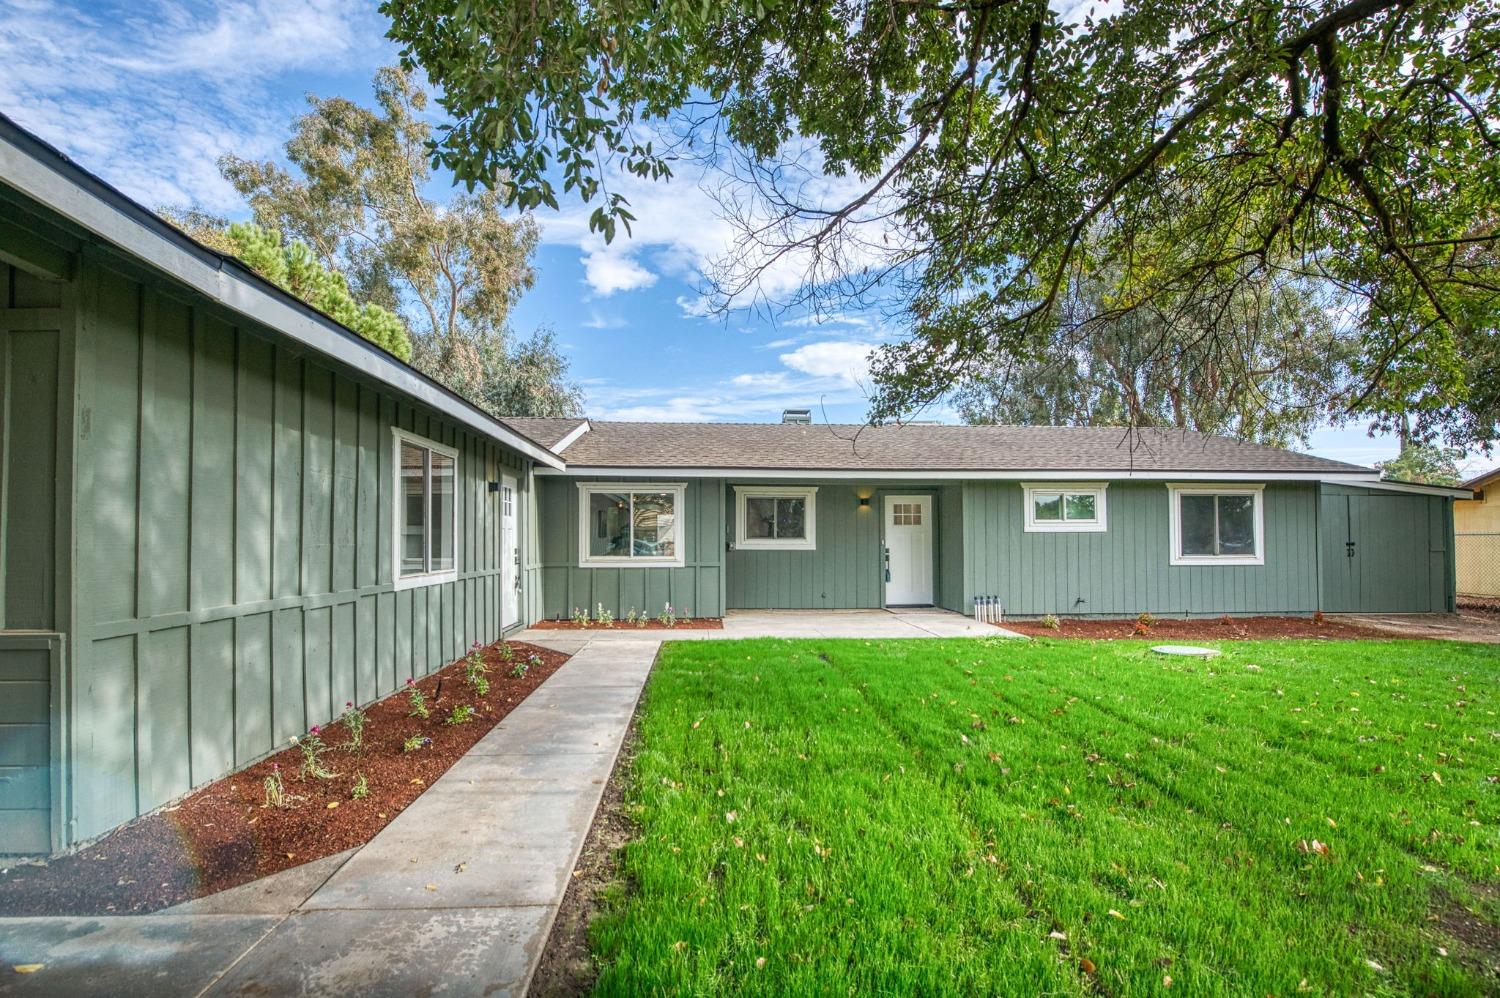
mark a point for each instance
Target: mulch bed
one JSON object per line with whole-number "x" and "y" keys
{"x": 224, "y": 835}
{"x": 1203, "y": 629}
{"x": 652, "y": 624}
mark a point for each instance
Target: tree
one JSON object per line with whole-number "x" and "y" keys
{"x": 1424, "y": 463}
{"x": 292, "y": 267}
{"x": 1144, "y": 370}
{"x": 452, "y": 271}
{"x": 989, "y": 152}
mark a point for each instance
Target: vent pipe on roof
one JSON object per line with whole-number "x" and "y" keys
{"x": 796, "y": 415}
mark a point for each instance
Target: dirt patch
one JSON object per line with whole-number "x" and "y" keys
{"x": 567, "y": 966}
{"x": 1478, "y": 938}
{"x": 652, "y": 624}
{"x": 224, "y": 834}
{"x": 1206, "y": 629}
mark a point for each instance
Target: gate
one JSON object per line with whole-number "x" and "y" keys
{"x": 1384, "y": 553}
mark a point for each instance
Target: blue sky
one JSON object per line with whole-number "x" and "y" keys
{"x": 148, "y": 93}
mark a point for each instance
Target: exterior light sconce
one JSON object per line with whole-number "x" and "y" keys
{"x": 494, "y": 486}
{"x": 864, "y": 502}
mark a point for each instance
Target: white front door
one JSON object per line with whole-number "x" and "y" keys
{"x": 510, "y": 555}
{"x": 908, "y": 550}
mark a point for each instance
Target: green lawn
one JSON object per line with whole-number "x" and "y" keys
{"x": 1015, "y": 817}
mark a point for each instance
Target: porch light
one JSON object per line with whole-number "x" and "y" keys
{"x": 864, "y": 502}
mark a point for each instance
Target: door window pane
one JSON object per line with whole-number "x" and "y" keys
{"x": 1080, "y": 506}
{"x": 609, "y": 519}
{"x": 1197, "y": 524}
{"x": 1236, "y": 525}
{"x": 1047, "y": 506}
{"x": 413, "y": 510}
{"x": 442, "y": 523}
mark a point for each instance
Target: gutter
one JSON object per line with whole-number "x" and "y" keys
{"x": 42, "y": 173}
{"x": 1365, "y": 479}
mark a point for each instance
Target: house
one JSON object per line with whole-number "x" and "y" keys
{"x": 223, "y": 515}
{"x": 1476, "y": 528}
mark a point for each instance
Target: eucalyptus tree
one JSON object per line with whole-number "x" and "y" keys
{"x": 987, "y": 154}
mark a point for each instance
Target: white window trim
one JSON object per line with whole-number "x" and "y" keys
{"x": 1099, "y": 524}
{"x": 679, "y": 505}
{"x": 805, "y": 492}
{"x": 401, "y": 582}
{"x": 1175, "y": 491}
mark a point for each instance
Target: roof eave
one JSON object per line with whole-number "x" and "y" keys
{"x": 41, "y": 173}
{"x": 974, "y": 474}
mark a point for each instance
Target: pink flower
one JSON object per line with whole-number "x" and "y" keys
{"x": 411, "y": 682}
{"x": 316, "y": 730}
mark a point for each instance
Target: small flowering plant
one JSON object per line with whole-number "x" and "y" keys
{"x": 361, "y": 788}
{"x": 276, "y": 792}
{"x": 462, "y": 714}
{"x": 603, "y": 616}
{"x": 417, "y": 699}
{"x": 354, "y": 721}
{"x": 415, "y": 743}
{"x": 581, "y": 618}
{"x": 475, "y": 669}
{"x": 668, "y": 616}
{"x": 313, "y": 748}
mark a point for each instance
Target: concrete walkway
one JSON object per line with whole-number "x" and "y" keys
{"x": 904, "y": 623}
{"x": 456, "y": 896}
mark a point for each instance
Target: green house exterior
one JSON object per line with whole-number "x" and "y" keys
{"x": 207, "y": 489}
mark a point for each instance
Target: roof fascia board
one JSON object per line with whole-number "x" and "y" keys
{"x": 1033, "y": 474}
{"x": 1453, "y": 492}
{"x": 571, "y": 436}
{"x": 242, "y": 294}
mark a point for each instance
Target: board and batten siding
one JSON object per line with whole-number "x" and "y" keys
{"x": 696, "y": 589}
{"x": 234, "y": 557}
{"x": 1126, "y": 569}
{"x": 1401, "y": 559}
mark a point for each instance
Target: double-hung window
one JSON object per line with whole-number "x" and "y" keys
{"x": 1217, "y": 525}
{"x": 426, "y": 514}
{"x": 1058, "y": 507}
{"x": 624, "y": 523}
{"x": 776, "y": 517}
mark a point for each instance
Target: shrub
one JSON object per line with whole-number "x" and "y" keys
{"x": 475, "y": 669}
{"x": 361, "y": 788}
{"x": 1146, "y": 620}
{"x": 354, "y": 721}
{"x": 313, "y": 748}
{"x": 1051, "y": 622}
{"x": 417, "y": 699}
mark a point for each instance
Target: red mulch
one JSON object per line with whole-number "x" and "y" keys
{"x": 652, "y": 624}
{"x": 223, "y": 835}
{"x": 1202, "y": 629}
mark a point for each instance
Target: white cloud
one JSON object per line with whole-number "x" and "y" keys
{"x": 832, "y": 359}
{"x": 598, "y": 321}
{"x": 151, "y": 99}
{"x": 611, "y": 269}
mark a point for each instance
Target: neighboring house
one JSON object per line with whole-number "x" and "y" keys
{"x": 222, "y": 515}
{"x": 1476, "y": 526}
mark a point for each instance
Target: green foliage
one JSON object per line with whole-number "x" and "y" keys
{"x": 1424, "y": 463}
{"x": 475, "y": 669}
{"x": 980, "y": 156}
{"x": 414, "y": 743}
{"x": 447, "y": 272}
{"x": 979, "y": 817}
{"x": 293, "y": 267}
{"x": 361, "y": 788}
{"x": 417, "y": 700}
{"x": 461, "y": 714}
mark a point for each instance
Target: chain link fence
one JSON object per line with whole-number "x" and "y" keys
{"x": 1478, "y": 563}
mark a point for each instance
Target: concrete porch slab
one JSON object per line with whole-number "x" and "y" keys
{"x": 916, "y": 622}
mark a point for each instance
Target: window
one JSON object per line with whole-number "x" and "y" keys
{"x": 1217, "y": 525}
{"x": 906, "y": 514}
{"x": 426, "y": 516}
{"x": 1073, "y": 507}
{"x": 628, "y": 524}
{"x": 776, "y": 517}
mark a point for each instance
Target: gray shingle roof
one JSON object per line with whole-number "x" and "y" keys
{"x": 917, "y": 447}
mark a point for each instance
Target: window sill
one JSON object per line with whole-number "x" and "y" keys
{"x": 1064, "y": 527}
{"x": 1218, "y": 559}
{"x": 632, "y": 563}
{"x": 775, "y": 546}
{"x": 421, "y": 581}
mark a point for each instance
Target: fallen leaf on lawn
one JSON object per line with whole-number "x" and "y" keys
{"x": 730, "y": 816}
{"x": 1436, "y": 777}
{"x": 1331, "y": 823}
{"x": 1061, "y": 937}
{"x": 1086, "y": 965}
{"x": 680, "y": 944}
{"x": 1166, "y": 980}
{"x": 28, "y": 968}
{"x": 760, "y": 962}
{"x": 1115, "y": 914}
